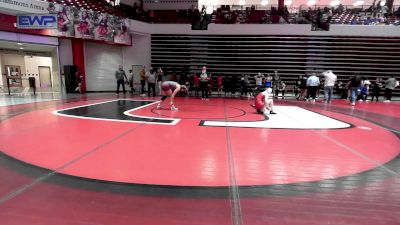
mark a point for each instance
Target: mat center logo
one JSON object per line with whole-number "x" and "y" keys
{"x": 122, "y": 110}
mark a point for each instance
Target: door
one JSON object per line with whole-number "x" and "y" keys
{"x": 14, "y": 72}
{"x": 45, "y": 77}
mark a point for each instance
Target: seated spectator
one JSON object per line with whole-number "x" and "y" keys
{"x": 282, "y": 20}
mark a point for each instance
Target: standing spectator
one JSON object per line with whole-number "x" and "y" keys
{"x": 365, "y": 83}
{"x": 142, "y": 75}
{"x": 376, "y": 89}
{"x": 159, "y": 80}
{"x": 276, "y": 80}
{"x": 244, "y": 85}
{"x": 297, "y": 86}
{"x": 174, "y": 77}
{"x": 120, "y": 76}
{"x": 354, "y": 86}
{"x": 196, "y": 81}
{"x": 268, "y": 81}
{"x": 233, "y": 85}
{"x": 281, "y": 88}
{"x": 390, "y": 84}
{"x": 219, "y": 84}
{"x": 259, "y": 80}
{"x": 330, "y": 80}
{"x": 312, "y": 85}
{"x": 79, "y": 80}
{"x": 210, "y": 84}
{"x": 204, "y": 83}
{"x": 131, "y": 81}
{"x": 151, "y": 78}
{"x": 226, "y": 84}
{"x": 303, "y": 88}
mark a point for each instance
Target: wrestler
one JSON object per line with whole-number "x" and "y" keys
{"x": 170, "y": 88}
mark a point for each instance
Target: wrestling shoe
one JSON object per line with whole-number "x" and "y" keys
{"x": 173, "y": 108}
{"x": 272, "y": 112}
{"x": 158, "y": 106}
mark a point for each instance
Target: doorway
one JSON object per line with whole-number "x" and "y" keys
{"x": 45, "y": 77}
{"x": 14, "y": 71}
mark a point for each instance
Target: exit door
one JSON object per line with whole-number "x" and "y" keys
{"x": 45, "y": 77}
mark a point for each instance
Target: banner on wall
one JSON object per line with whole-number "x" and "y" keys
{"x": 73, "y": 22}
{"x": 88, "y": 24}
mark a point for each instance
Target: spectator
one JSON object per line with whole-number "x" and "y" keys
{"x": 210, "y": 84}
{"x": 376, "y": 89}
{"x": 364, "y": 90}
{"x": 233, "y": 85}
{"x": 312, "y": 85}
{"x": 159, "y": 79}
{"x": 268, "y": 81}
{"x": 174, "y": 77}
{"x": 131, "y": 81}
{"x": 142, "y": 75}
{"x": 390, "y": 84}
{"x": 276, "y": 81}
{"x": 244, "y": 82}
{"x": 259, "y": 80}
{"x": 219, "y": 84}
{"x": 79, "y": 80}
{"x": 120, "y": 76}
{"x": 281, "y": 88}
{"x": 196, "y": 81}
{"x": 226, "y": 84}
{"x": 204, "y": 83}
{"x": 151, "y": 77}
{"x": 330, "y": 79}
{"x": 354, "y": 87}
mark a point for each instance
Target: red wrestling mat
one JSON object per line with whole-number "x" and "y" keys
{"x": 187, "y": 154}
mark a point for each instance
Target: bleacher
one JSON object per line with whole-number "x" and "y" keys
{"x": 291, "y": 56}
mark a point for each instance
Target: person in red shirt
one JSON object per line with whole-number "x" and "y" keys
{"x": 219, "y": 84}
{"x": 263, "y": 103}
{"x": 196, "y": 80}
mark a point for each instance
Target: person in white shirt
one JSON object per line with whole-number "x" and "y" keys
{"x": 330, "y": 80}
{"x": 312, "y": 85}
{"x": 259, "y": 80}
{"x": 204, "y": 80}
{"x": 131, "y": 81}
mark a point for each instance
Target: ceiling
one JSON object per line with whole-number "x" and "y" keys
{"x": 28, "y": 49}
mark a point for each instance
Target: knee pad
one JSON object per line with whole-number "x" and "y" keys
{"x": 163, "y": 98}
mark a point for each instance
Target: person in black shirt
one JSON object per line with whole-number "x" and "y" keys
{"x": 354, "y": 86}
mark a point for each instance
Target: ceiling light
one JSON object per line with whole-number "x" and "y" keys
{"x": 311, "y": 2}
{"x": 209, "y": 10}
{"x": 358, "y": 3}
{"x": 334, "y": 3}
{"x": 288, "y": 2}
{"x": 264, "y": 2}
{"x": 19, "y": 43}
{"x": 21, "y": 48}
{"x": 242, "y": 2}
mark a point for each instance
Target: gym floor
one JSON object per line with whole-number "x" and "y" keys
{"x": 99, "y": 159}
